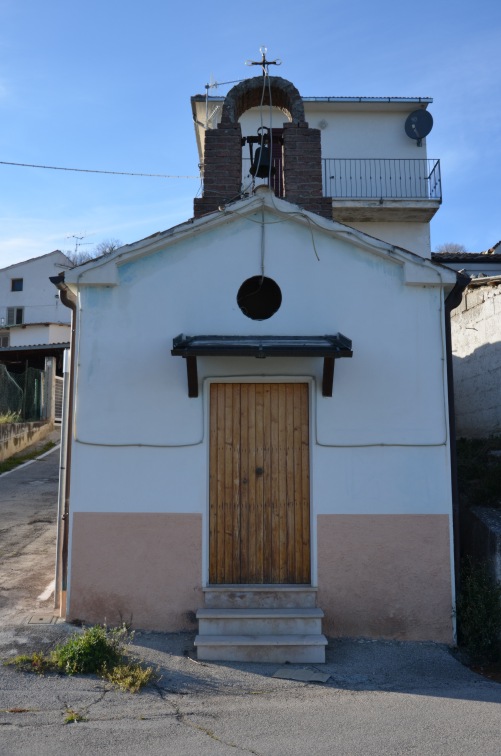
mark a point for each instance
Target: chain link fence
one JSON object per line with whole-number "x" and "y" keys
{"x": 22, "y": 395}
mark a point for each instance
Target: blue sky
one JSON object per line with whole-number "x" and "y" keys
{"x": 106, "y": 85}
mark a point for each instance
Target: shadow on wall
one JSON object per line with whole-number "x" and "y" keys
{"x": 477, "y": 398}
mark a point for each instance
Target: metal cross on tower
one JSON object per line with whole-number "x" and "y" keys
{"x": 263, "y": 62}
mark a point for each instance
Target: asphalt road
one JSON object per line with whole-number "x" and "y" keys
{"x": 28, "y": 513}
{"x": 380, "y": 698}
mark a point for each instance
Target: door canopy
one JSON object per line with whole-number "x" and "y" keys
{"x": 329, "y": 348}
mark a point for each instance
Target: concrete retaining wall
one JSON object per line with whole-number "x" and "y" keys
{"x": 14, "y": 437}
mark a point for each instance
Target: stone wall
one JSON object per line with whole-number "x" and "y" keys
{"x": 476, "y": 349}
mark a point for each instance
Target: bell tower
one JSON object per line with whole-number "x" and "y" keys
{"x": 301, "y": 149}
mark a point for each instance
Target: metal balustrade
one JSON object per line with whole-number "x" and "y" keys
{"x": 370, "y": 178}
{"x": 382, "y": 178}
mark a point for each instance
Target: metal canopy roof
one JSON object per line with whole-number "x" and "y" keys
{"x": 328, "y": 347}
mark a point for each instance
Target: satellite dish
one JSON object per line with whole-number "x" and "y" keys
{"x": 418, "y": 125}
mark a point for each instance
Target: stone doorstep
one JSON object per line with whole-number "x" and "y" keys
{"x": 260, "y": 588}
{"x": 261, "y": 640}
{"x": 260, "y": 621}
{"x": 277, "y": 649}
{"x": 262, "y": 596}
{"x": 259, "y": 613}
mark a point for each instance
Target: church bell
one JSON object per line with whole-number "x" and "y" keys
{"x": 261, "y": 161}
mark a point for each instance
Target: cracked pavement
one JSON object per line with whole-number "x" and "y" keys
{"x": 381, "y": 697}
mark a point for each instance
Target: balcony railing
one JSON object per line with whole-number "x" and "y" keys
{"x": 382, "y": 178}
{"x": 370, "y": 178}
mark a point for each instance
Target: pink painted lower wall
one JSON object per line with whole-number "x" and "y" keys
{"x": 379, "y": 576}
{"x": 385, "y": 576}
{"x": 144, "y": 568}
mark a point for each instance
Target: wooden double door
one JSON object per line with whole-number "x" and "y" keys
{"x": 259, "y": 518}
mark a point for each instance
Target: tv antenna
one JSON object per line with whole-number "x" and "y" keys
{"x": 78, "y": 241}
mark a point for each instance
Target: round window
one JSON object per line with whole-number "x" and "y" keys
{"x": 259, "y": 297}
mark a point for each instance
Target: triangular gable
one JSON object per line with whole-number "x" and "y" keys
{"x": 103, "y": 271}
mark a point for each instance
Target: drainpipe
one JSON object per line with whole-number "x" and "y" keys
{"x": 69, "y": 300}
{"x": 63, "y": 453}
{"x": 452, "y": 301}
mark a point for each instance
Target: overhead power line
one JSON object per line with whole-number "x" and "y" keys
{"x": 90, "y": 170}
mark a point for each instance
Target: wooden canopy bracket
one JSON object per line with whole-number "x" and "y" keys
{"x": 192, "y": 370}
{"x": 328, "y": 376}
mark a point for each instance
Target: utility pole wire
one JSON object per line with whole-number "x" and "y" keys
{"x": 90, "y": 170}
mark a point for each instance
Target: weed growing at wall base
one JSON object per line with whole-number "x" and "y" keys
{"x": 98, "y": 650}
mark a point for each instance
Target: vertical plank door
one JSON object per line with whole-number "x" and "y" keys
{"x": 259, "y": 518}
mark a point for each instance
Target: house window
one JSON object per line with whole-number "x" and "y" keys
{"x": 16, "y": 284}
{"x": 15, "y": 315}
{"x": 4, "y": 339}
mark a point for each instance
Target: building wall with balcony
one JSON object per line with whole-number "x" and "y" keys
{"x": 28, "y": 297}
{"x": 380, "y": 181}
{"x": 413, "y": 236}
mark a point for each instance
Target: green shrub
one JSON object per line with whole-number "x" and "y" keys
{"x": 95, "y": 648}
{"x": 479, "y": 613}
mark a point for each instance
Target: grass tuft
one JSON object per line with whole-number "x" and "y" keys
{"x": 36, "y": 662}
{"x": 131, "y": 676}
{"x": 73, "y": 716}
{"x": 10, "y": 417}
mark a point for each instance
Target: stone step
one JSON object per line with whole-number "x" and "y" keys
{"x": 279, "y": 649}
{"x": 263, "y": 596}
{"x": 259, "y": 621}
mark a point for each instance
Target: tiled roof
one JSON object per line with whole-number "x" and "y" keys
{"x": 490, "y": 255}
{"x": 36, "y": 347}
{"x": 483, "y": 257}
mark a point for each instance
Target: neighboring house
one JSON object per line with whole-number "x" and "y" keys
{"x": 33, "y": 321}
{"x": 474, "y": 264}
{"x": 259, "y": 494}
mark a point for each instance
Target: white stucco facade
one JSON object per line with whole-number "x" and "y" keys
{"x": 379, "y": 447}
